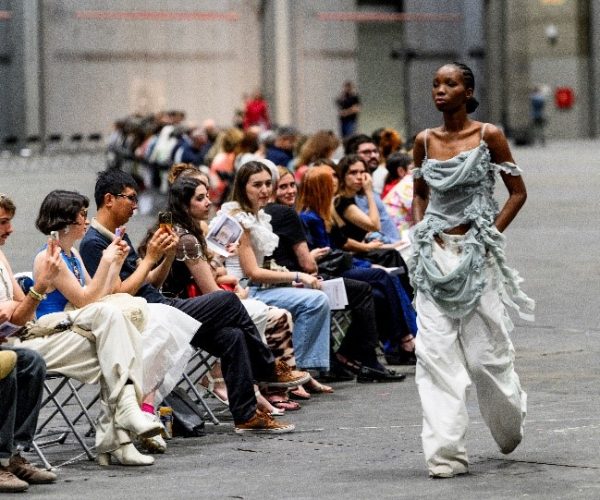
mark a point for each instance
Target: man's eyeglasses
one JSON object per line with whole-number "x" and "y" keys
{"x": 368, "y": 152}
{"x": 131, "y": 197}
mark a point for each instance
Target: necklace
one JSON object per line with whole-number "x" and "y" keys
{"x": 73, "y": 264}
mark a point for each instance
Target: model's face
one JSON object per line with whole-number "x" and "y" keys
{"x": 369, "y": 154}
{"x": 287, "y": 190}
{"x": 449, "y": 90}
{"x": 6, "y": 227}
{"x": 124, "y": 205}
{"x": 200, "y": 204}
{"x": 354, "y": 176}
{"x": 258, "y": 190}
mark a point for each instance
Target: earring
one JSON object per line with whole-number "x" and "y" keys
{"x": 66, "y": 230}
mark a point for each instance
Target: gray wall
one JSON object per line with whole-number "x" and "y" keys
{"x": 97, "y": 70}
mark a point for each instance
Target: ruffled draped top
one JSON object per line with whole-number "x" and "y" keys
{"x": 461, "y": 192}
{"x": 262, "y": 238}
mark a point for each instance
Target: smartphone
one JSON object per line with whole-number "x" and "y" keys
{"x": 165, "y": 220}
{"x": 54, "y": 235}
{"x": 119, "y": 232}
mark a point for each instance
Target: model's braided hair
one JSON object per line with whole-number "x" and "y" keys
{"x": 469, "y": 79}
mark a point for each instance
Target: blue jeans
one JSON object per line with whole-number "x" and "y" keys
{"x": 20, "y": 397}
{"x": 311, "y": 313}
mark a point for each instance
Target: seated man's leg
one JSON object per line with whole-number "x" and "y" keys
{"x": 8, "y": 403}
{"x": 31, "y": 371}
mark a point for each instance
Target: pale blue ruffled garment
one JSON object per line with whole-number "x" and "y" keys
{"x": 461, "y": 192}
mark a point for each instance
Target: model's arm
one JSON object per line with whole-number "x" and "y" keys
{"x": 420, "y": 188}
{"x": 517, "y": 193}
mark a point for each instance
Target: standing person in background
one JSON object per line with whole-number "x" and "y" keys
{"x": 256, "y": 112}
{"x": 348, "y": 104}
{"x": 459, "y": 272}
{"x": 538, "y": 115}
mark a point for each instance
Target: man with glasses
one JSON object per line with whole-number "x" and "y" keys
{"x": 363, "y": 146}
{"x": 226, "y": 332}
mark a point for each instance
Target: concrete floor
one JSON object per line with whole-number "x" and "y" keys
{"x": 363, "y": 441}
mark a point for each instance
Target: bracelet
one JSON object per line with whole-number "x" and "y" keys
{"x": 36, "y": 295}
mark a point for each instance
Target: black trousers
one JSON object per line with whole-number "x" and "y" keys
{"x": 20, "y": 397}
{"x": 362, "y": 338}
{"x": 228, "y": 332}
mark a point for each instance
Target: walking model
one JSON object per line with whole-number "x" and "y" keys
{"x": 459, "y": 274}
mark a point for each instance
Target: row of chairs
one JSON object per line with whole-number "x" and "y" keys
{"x": 74, "y": 402}
{"x": 54, "y": 142}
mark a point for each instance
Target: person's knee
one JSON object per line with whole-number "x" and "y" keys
{"x": 319, "y": 301}
{"x": 31, "y": 363}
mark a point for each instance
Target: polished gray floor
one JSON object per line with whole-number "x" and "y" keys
{"x": 363, "y": 441}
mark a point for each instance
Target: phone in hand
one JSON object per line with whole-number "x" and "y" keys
{"x": 119, "y": 232}
{"x": 165, "y": 220}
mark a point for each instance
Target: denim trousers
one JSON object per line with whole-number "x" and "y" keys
{"x": 312, "y": 317}
{"x": 20, "y": 398}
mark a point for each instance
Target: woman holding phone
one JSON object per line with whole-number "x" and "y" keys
{"x": 459, "y": 272}
{"x": 132, "y": 361}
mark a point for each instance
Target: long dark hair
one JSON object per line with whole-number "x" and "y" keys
{"x": 180, "y": 197}
{"x": 60, "y": 209}
{"x": 241, "y": 180}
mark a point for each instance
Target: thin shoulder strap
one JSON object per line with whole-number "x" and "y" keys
{"x": 425, "y": 141}
{"x": 483, "y": 130}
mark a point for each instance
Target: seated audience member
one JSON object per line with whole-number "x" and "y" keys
{"x": 365, "y": 148}
{"x": 166, "y": 331}
{"x": 395, "y": 315}
{"x": 310, "y": 249}
{"x": 281, "y": 152}
{"x": 22, "y": 371}
{"x": 197, "y": 271}
{"x": 309, "y": 306}
{"x": 398, "y": 192}
{"x": 390, "y": 142}
{"x": 226, "y": 332}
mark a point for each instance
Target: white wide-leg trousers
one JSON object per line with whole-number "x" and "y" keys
{"x": 453, "y": 352}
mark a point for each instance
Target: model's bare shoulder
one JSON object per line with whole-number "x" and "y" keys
{"x": 497, "y": 144}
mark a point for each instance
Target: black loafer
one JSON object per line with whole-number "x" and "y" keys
{"x": 367, "y": 374}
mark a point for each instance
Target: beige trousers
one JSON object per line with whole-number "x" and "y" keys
{"x": 452, "y": 353}
{"x": 112, "y": 359}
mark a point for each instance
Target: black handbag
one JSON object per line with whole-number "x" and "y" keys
{"x": 187, "y": 417}
{"x": 335, "y": 262}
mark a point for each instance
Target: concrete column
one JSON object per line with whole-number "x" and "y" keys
{"x": 33, "y": 92}
{"x": 283, "y": 66}
{"x": 594, "y": 67}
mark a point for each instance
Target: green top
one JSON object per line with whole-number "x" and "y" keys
{"x": 461, "y": 192}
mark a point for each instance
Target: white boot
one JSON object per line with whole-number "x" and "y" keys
{"x": 126, "y": 454}
{"x": 129, "y": 416}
